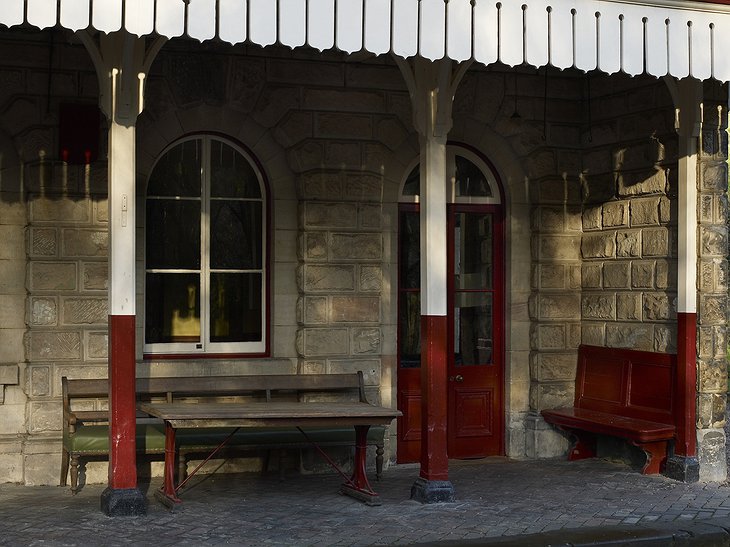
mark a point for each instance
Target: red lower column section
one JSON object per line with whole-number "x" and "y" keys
{"x": 434, "y": 458}
{"x": 122, "y": 402}
{"x": 686, "y": 390}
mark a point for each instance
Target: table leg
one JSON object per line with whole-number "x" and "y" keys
{"x": 358, "y": 487}
{"x": 167, "y": 494}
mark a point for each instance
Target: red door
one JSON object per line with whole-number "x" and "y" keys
{"x": 475, "y": 369}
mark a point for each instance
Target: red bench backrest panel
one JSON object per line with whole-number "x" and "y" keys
{"x": 636, "y": 384}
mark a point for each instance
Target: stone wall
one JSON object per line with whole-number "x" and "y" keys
{"x": 712, "y": 293}
{"x": 629, "y": 222}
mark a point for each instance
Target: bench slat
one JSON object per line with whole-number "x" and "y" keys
{"x": 610, "y": 424}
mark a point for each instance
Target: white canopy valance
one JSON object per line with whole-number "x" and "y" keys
{"x": 673, "y": 37}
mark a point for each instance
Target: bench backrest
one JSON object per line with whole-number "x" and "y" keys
{"x": 220, "y": 386}
{"x": 635, "y": 384}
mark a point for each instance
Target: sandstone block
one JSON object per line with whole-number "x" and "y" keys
{"x": 87, "y": 243}
{"x": 12, "y": 311}
{"x": 308, "y": 366}
{"x": 599, "y": 306}
{"x": 616, "y": 275}
{"x": 356, "y": 246}
{"x": 44, "y": 311}
{"x": 294, "y": 128}
{"x": 322, "y": 342}
{"x": 40, "y": 381}
{"x": 370, "y": 369}
{"x": 591, "y": 275}
{"x": 307, "y": 155}
{"x": 552, "y": 276}
{"x": 48, "y": 345}
{"x": 559, "y": 247}
{"x": 12, "y": 348}
{"x": 657, "y": 307}
{"x": 355, "y": 309}
{"x": 641, "y": 182}
{"x": 364, "y": 187}
{"x": 642, "y": 274}
{"x": 97, "y": 345}
{"x": 64, "y": 211}
{"x": 43, "y": 242}
{"x": 600, "y": 188}
{"x": 555, "y": 395}
{"x": 315, "y": 245}
{"x": 343, "y": 154}
{"x": 616, "y": 213}
{"x": 551, "y": 219}
{"x": 664, "y": 339}
{"x": 551, "y": 337}
{"x": 711, "y": 455}
{"x": 712, "y": 376}
{"x": 713, "y": 177}
{"x": 52, "y": 276}
{"x": 711, "y": 410}
{"x": 593, "y": 333}
{"x": 628, "y": 244}
{"x": 559, "y": 306}
{"x": 330, "y": 215}
{"x": 713, "y": 240}
{"x": 329, "y": 278}
{"x": 12, "y": 276}
{"x": 632, "y": 336}
{"x": 645, "y": 212}
{"x": 95, "y": 276}
{"x": 45, "y": 416}
{"x": 598, "y": 246}
{"x": 628, "y": 307}
{"x": 343, "y": 126}
{"x": 365, "y": 340}
{"x": 713, "y": 309}
{"x": 371, "y": 278}
{"x": 555, "y": 366}
{"x": 655, "y": 242}
{"x": 592, "y": 218}
{"x": 371, "y": 216}
{"x": 84, "y": 311}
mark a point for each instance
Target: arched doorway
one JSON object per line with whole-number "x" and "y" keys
{"x": 475, "y": 345}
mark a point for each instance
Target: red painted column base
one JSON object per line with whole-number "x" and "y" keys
{"x": 433, "y": 484}
{"x": 122, "y": 497}
{"x": 682, "y": 464}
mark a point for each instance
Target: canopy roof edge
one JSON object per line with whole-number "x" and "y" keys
{"x": 662, "y": 37}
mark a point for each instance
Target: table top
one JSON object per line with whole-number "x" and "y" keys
{"x": 275, "y": 413}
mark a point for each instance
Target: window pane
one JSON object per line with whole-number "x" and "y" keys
{"x": 473, "y": 329}
{"x": 178, "y": 172}
{"x": 410, "y": 251}
{"x": 470, "y": 181}
{"x": 172, "y": 308}
{"x": 473, "y": 267}
{"x": 231, "y": 175}
{"x": 173, "y": 234}
{"x": 235, "y": 235}
{"x": 409, "y": 329}
{"x": 412, "y": 186}
{"x": 235, "y": 307}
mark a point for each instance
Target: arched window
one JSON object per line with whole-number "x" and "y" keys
{"x": 206, "y": 251}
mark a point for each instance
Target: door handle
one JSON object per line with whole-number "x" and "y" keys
{"x": 459, "y": 378}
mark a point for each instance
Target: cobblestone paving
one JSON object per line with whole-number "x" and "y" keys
{"x": 495, "y": 497}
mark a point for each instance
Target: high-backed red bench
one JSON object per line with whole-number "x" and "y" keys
{"x": 623, "y": 393}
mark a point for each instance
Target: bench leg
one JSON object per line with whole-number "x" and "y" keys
{"x": 74, "y": 474}
{"x": 656, "y": 456}
{"x": 584, "y": 446}
{"x": 358, "y": 486}
{"x": 379, "y": 461}
{"x": 65, "y": 456}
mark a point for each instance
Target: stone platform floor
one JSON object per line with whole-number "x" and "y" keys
{"x": 495, "y": 497}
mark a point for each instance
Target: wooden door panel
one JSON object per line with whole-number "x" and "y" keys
{"x": 474, "y": 415}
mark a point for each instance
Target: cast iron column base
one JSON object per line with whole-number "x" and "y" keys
{"x": 682, "y": 468}
{"x": 123, "y": 502}
{"x": 426, "y": 491}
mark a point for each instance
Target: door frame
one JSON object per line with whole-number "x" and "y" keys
{"x": 408, "y": 379}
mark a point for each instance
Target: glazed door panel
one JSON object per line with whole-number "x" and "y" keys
{"x": 474, "y": 379}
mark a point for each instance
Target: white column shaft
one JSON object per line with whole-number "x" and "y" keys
{"x": 122, "y": 258}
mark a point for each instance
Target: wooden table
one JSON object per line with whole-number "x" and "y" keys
{"x": 272, "y": 414}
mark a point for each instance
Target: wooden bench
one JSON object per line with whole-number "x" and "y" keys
{"x": 622, "y": 393}
{"x": 86, "y": 430}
